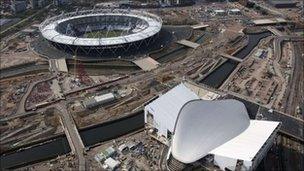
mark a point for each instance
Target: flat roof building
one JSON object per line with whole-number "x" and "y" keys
{"x": 234, "y": 11}
{"x": 162, "y": 112}
{"x": 219, "y": 12}
{"x": 111, "y": 163}
{"x": 251, "y": 146}
{"x": 98, "y": 100}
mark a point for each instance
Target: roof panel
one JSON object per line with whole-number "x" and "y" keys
{"x": 169, "y": 104}
{"x": 246, "y": 145}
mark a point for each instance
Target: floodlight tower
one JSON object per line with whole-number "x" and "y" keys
{"x": 75, "y": 64}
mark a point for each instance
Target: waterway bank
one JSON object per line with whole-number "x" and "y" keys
{"x": 59, "y": 146}
{"x": 23, "y": 69}
{"x": 44, "y": 151}
{"x": 216, "y": 78}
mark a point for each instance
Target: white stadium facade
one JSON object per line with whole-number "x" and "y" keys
{"x": 101, "y": 31}
{"x": 195, "y": 129}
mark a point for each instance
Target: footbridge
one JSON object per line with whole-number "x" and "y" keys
{"x": 188, "y": 43}
{"x": 231, "y": 57}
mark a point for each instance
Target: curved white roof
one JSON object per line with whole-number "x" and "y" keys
{"x": 48, "y": 28}
{"x": 204, "y": 125}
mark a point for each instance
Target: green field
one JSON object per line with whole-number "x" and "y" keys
{"x": 103, "y": 34}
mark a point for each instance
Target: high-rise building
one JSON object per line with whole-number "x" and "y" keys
{"x": 18, "y": 6}
{"x": 35, "y": 4}
{"x": 60, "y": 2}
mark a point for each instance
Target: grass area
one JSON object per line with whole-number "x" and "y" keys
{"x": 103, "y": 34}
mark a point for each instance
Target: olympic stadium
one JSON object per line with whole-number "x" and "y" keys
{"x": 102, "y": 32}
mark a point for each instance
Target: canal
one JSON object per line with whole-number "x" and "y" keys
{"x": 216, "y": 78}
{"x": 60, "y": 146}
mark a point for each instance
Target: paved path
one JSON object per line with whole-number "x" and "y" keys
{"x": 21, "y": 107}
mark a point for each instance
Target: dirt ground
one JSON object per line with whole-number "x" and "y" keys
{"x": 11, "y": 58}
{"x": 67, "y": 163}
{"x": 12, "y": 91}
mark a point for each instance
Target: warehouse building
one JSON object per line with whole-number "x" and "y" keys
{"x": 219, "y": 12}
{"x": 234, "y": 11}
{"x": 225, "y": 131}
{"x": 98, "y": 100}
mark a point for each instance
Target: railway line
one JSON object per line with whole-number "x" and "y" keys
{"x": 295, "y": 88}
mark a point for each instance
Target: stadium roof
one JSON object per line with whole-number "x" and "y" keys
{"x": 202, "y": 126}
{"x": 48, "y": 28}
{"x": 222, "y": 128}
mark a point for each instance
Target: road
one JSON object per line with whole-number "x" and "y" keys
{"x": 275, "y": 31}
{"x": 72, "y": 134}
{"x": 69, "y": 125}
{"x": 296, "y": 80}
{"x": 21, "y": 108}
{"x": 70, "y": 128}
{"x": 277, "y": 44}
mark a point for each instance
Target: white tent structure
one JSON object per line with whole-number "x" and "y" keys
{"x": 161, "y": 114}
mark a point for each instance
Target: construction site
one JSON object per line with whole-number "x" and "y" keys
{"x": 264, "y": 76}
{"x": 86, "y": 112}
